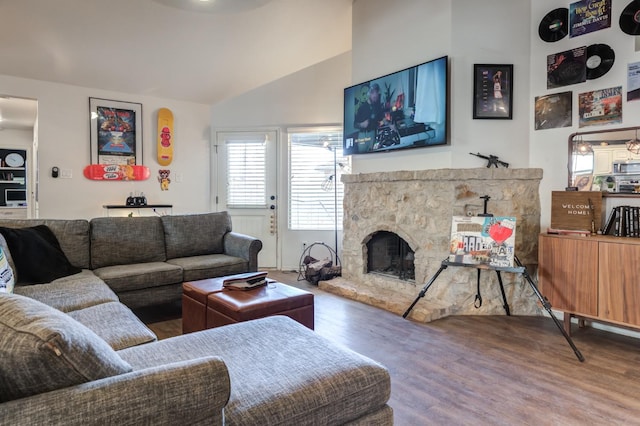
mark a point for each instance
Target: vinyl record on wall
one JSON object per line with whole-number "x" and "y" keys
{"x": 554, "y": 26}
{"x": 600, "y": 59}
{"x": 630, "y": 18}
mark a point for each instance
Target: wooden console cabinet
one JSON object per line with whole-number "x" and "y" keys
{"x": 596, "y": 277}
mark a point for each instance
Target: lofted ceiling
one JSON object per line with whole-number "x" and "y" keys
{"x": 190, "y": 50}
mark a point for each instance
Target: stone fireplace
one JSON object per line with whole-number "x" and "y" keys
{"x": 407, "y": 215}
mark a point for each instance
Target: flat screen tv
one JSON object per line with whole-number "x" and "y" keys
{"x": 405, "y": 109}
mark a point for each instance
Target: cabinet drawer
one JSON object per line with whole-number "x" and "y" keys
{"x": 13, "y": 213}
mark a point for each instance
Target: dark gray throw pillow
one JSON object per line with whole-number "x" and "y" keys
{"x": 37, "y": 255}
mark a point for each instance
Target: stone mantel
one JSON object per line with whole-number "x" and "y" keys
{"x": 418, "y": 206}
{"x": 445, "y": 175}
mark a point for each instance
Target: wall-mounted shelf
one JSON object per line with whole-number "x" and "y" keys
{"x": 148, "y": 206}
{"x": 110, "y": 207}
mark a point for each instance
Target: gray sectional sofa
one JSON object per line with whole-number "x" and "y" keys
{"x": 145, "y": 260}
{"x": 72, "y": 354}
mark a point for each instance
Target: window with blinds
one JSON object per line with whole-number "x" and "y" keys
{"x": 315, "y": 192}
{"x": 246, "y": 174}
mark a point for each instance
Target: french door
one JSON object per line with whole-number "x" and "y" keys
{"x": 246, "y": 185}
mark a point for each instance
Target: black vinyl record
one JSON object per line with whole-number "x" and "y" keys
{"x": 554, "y": 26}
{"x": 630, "y": 18}
{"x": 600, "y": 59}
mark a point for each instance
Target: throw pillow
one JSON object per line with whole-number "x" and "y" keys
{"x": 5, "y": 247}
{"x": 6, "y": 273}
{"x": 43, "y": 350}
{"x": 37, "y": 255}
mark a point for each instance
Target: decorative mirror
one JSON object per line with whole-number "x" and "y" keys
{"x": 605, "y": 160}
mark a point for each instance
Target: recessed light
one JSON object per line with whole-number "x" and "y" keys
{"x": 215, "y": 7}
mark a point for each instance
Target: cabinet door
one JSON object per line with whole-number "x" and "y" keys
{"x": 619, "y": 283}
{"x": 568, "y": 273}
{"x": 602, "y": 162}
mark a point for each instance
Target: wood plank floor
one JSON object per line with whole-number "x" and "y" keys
{"x": 480, "y": 370}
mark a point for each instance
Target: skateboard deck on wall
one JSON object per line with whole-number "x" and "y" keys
{"x": 165, "y": 136}
{"x": 116, "y": 172}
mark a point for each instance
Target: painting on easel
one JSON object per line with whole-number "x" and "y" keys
{"x": 478, "y": 240}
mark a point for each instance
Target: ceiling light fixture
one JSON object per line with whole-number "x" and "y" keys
{"x": 633, "y": 145}
{"x": 216, "y": 7}
{"x": 583, "y": 148}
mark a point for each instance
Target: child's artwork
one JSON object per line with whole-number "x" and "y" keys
{"x": 480, "y": 240}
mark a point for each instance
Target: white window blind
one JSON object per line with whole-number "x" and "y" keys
{"x": 246, "y": 170}
{"x": 312, "y": 197}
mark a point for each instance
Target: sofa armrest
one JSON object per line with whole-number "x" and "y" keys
{"x": 243, "y": 246}
{"x": 189, "y": 392}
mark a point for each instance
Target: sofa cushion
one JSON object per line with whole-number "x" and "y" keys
{"x": 72, "y": 234}
{"x": 281, "y": 372}
{"x": 37, "y": 254}
{"x": 71, "y": 293}
{"x": 139, "y": 275}
{"x": 115, "y": 324}
{"x": 6, "y": 273}
{"x": 195, "y": 234}
{"x": 126, "y": 240}
{"x": 43, "y": 349}
{"x": 208, "y": 266}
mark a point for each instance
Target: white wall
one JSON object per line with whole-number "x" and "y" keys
{"x": 313, "y": 96}
{"x": 548, "y": 148}
{"x": 63, "y": 135}
{"x": 386, "y": 39}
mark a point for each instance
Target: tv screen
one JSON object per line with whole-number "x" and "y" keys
{"x": 406, "y": 109}
{"x": 15, "y": 197}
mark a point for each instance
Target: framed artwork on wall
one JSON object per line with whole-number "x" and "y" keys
{"x": 492, "y": 91}
{"x": 115, "y": 131}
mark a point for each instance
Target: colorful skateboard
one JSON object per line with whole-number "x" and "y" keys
{"x": 165, "y": 136}
{"x": 116, "y": 172}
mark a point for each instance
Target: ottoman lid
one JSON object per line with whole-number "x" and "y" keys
{"x": 199, "y": 290}
{"x": 259, "y": 302}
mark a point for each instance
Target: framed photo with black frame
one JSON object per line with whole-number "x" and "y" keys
{"x": 492, "y": 91}
{"x": 115, "y": 132}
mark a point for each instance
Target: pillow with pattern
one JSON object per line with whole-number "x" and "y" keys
{"x": 6, "y": 273}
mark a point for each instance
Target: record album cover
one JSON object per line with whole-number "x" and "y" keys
{"x": 633, "y": 81}
{"x": 480, "y": 240}
{"x": 587, "y": 16}
{"x": 600, "y": 107}
{"x": 553, "y": 111}
{"x": 568, "y": 67}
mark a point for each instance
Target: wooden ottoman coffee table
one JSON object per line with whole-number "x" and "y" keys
{"x": 200, "y": 312}
{"x": 194, "y": 302}
{"x": 231, "y": 306}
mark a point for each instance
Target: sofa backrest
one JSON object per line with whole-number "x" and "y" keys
{"x": 195, "y": 234}
{"x": 126, "y": 240}
{"x": 72, "y": 234}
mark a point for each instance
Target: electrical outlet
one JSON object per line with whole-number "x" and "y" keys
{"x": 66, "y": 173}
{"x": 179, "y": 177}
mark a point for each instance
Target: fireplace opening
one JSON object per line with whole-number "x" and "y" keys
{"x": 388, "y": 254}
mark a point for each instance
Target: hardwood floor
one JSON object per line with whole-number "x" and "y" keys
{"x": 481, "y": 370}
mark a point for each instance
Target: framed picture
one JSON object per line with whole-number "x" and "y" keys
{"x": 492, "y": 91}
{"x": 116, "y": 132}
